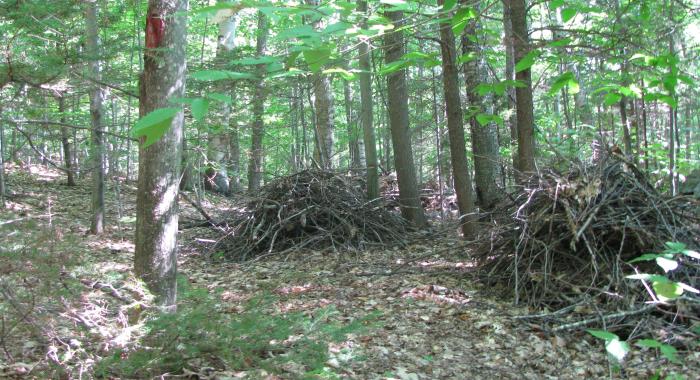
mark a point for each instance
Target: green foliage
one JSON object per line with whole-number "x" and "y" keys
{"x": 665, "y": 290}
{"x": 256, "y": 338}
{"x": 154, "y": 125}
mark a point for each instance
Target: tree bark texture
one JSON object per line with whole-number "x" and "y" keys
{"x": 255, "y": 166}
{"x": 484, "y": 137}
{"x": 523, "y": 95}
{"x": 163, "y": 78}
{"x": 397, "y": 98}
{"x": 366, "y": 109}
{"x": 455, "y": 128}
{"x": 96, "y": 113}
{"x": 65, "y": 143}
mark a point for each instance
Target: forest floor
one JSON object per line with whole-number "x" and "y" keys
{"x": 431, "y": 318}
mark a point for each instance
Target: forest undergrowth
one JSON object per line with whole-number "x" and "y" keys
{"x": 71, "y": 306}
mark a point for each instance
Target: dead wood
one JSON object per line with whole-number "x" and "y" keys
{"x": 311, "y": 209}
{"x": 568, "y": 239}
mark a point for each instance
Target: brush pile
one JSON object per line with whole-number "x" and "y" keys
{"x": 567, "y": 240}
{"x": 311, "y": 209}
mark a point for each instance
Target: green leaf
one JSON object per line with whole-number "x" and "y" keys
{"x": 256, "y": 60}
{"x": 392, "y": 67}
{"x": 674, "y": 246}
{"x": 612, "y": 98}
{"x": 617, "y": 349}
{"x": 467, "y": 57}
{"x": 666, "y": 264}
{"x": 483, "y": 119}
{"x": 649, "y": 343}
{"x": 316, "y": 58}
{"x": 669, "y": 352}
{"x": 568, "y": 13}
{"x": 644, "y": 257}
{"x": 554, "y": 4}
{"x": 154, "y": 125}
{"x": 602, "y": 334}
{"x": 215, "y": 75}
{"x": 560, "y": 43}
{"x": 461, "y": 19}
{"x": 691, "y": 253}
{"x": 448, "y": 4}
{"x": 200, "y": 107}
{"x": 667, "y": 291}
{"x": 345, "y": 74}
{"x": 568, "y": 79}
{"x": 527, "y": 61}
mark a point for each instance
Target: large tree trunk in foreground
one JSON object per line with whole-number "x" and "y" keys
{"x": 96, "y": 138}
{"x": 366, "y": 113}
{"x": 455, "y": 128}
{"x": 409, "y": 199}
{"x": 523, "y": 95}
{"x": 155, "y": 260}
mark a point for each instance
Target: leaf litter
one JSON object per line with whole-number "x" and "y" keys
{"x": 435, "y": 319}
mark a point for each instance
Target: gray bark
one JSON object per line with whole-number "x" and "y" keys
{"x": 455, "y": 128}
{"x": 65, "y": 143}
{"x": 255, "y": 167}
{"x": 96, "y": 112}
{"x": 523, "y": 95}
{"x": 484, "y": 137}
{"x": 400, "y": 135}
{"x": 155, "y": 259}
{"x": 366, "y": 110}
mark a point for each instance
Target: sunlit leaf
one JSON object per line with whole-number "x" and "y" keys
{"x": 223, "y": 98}
{"x": 449, "y": 4}
{"x": 617, "y": 349}
{"x": 667, "y": 291}
{"x": 345, "y": 74}
{"x": 154, "y": 125}
{"x": 612, "y": 98}
{"x": 649, "y": 343}
{"x": 568, "y": 13}
{"x": 666, "y": 264}
{"x": 316, "y": 58}
{"x": 215, "y": 75}
{"x": 200, "y": 107}
{"x": 602, "y": 334}
{"x": 527, "y": 61}
{"x": 461, "y": 19}
{"x": 560, "y": 43}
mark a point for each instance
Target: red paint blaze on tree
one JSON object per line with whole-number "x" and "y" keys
{"x": 155, "y": 29}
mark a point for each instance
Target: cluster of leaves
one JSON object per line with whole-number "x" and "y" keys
{"x": 200, "y": 335}
{"x": 664, "y": 290}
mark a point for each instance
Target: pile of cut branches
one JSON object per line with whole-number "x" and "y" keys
{"x": 311, "y": 209}
{"x": 567, "y": 240}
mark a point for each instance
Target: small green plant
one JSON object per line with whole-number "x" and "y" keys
{"x": 663, "y": 289}
{"x": 200, "y": 335}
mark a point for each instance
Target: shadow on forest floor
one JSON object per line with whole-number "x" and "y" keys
{"x": 69, "y": 300}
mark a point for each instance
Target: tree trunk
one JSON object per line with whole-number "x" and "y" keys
{"x": 2, "y": 161}
{"x": 255, "y": 166}
{"x": 366, "y": 109}
{"x": 510, "y": 75}
{"x": 163, "y": 78}
{"x": 523, "y": 95}
{"x": 400, "y": 135}
{"x": 65, "y": 142}
{"x": 96, "y": 139}
{"x": 323, "y": 105}
{"x": 484, "y": 137}
{"x": 353, "y": 136}
{"x": 455, "y": 128}
{"x": 234, "y": 150}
